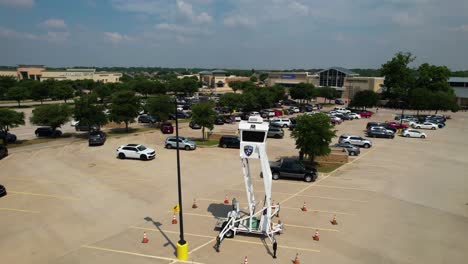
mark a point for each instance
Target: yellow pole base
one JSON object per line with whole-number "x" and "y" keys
{"x": 182, "y": 251}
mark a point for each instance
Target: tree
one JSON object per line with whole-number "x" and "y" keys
{"x": 249, "y": 102}
{"x": 62, "y": 91}
{"x": 399, "y": 78}
{"x": 419, "y": 99}
{"x": 6, "y": 82}
{"x": 366, "y": 98}
{"x": 278, "y": 92}
{"x": 204, "y": 115}
{"x": 53, "y": 115}
{"x": 440, "y": 100}
{"x": 232, "y": 101}
{"x": 328, "y": 93}
{"x": 313, "y": 135}
{"x": 103, "y": 92}
{"x": 18, "y": 93}
{"x": 39, "y": 91}
{"x": 254, "y": 79}
{"x": 434, "y": 78}
{"x": 263, "y": 76}
{"x": 187, "y": 86}
{"x": 88, "y": 112}
{"x": 10, "y": 118}
{"x": 124, "y": 108}
{"x": 302, "y": 91}
{"x": 235, "y": 85}
{"x": 160, "y": 106}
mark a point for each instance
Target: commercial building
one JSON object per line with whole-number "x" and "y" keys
{"x": 460, "y": 87}
{"x": 218, "y": 80}
{"x": 344, "y": 80}
{"x": 40, "y": 73}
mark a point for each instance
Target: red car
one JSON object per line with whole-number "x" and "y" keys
{"x": 365, "y": 114}
{"x": 397, "y": 125}
{"x": 167, "y": 128}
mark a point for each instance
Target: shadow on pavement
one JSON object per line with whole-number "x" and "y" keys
{"x": 158, "y": 226}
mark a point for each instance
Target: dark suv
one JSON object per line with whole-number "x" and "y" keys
{"x": 229, "y": 142}
{"x": 7, "y": 137}
{"x": 85, "y": 127}
{"x": 292, "y": 168}
{"x": 96, "y": 138}
{"x": 3, "y": 151}
{"x": 148, "y": 119}
{"x": 47, "y": 132}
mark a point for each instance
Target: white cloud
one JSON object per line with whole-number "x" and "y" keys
{"x": 51, "y": 36}
{"x": 299, "y": 8}
{"x": 239, "y": 21}
{"x": 116, "y": 37}
{"x": 186, "y": 9}
{"x": 142, "y": 6}
{"x": 54, "y": 23}
{"x": 57, "y": 36}
{"x": 18, "y": 3}
{"x": 181, "y": 29}
{"x": 406, "y": 19}
{"x": 9, "y": 33}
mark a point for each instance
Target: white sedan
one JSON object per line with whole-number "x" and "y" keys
{"x": 354, "y": 116}
{"x": 135, "y": 151}
{"x": 413, "y": 133}
{"x": 425, "y": 125}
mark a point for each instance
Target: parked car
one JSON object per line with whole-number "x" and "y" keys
{"x": 349, "y": 148}
{"x": 425, "y": 125}
{"x": 292, "y": 168}
{"x": 342, "y": 110}
{"x": 295, "y": 109}
{"x": 181, "y": 115}
{"x": 184, "y": 143}
{"x": 374, "y": 124}
{"x": 339, "y": 102}
{"x": 282, "y": 122}
{"x": 396, "y": 125}
{"x": 194, "y": 125}
{"x": 167, "y": 128}
{"x": 7, "y": 137}
{"x": 354, "y": 116}
{"x": 275, "y": 132}
{"x": 355, "y": 140}
{"x": 413, "y": 133}
{"x": 365, "y": 114}
{"x": 97, "y": 138}
{"x": 84, "y": 127}
{"x": 229, "y": 142}
{"x": 47, "y": 132}
{"x": 342, "y": 116}
{"x": 3, "y": 191}
{"x": 335, "y": 120}
{"x": 135, "y": 151}
{"x": 3, "y": 151}
{"x": 73, "y": 123}
{"x": 438, "y": 122}
{"x": 148, "y": 119}
{"x": 219, "y": 121}
{"x": 380, "y": 132}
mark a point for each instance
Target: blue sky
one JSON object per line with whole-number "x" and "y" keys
{"x": 261, "y": 34}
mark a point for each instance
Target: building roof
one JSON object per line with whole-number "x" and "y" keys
{"x": 205, "y": 73}
{"x": 218, "y": 71}
{"x": 460, "y": 92}
{"x": 30, "y": 66}
{"x": 458, "y": 79}
{"x": 340, "y": 69}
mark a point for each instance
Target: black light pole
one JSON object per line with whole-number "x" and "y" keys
{"x": 182, "y": 249}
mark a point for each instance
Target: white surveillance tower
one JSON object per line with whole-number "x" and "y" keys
{"x": 258, "y": 219}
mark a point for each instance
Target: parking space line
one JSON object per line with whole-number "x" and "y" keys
{"x": 286, "y": 182}
{"x": 138, "y": 254}
{"x": 46, "y": 195}
{"x": 18, "y": 210}
{"x": 231, "y": 240}
{"x": 203, "y": 215}
{"x": 312, "y": 196}
{"x": 312, "y": 227}
{"x": 316, "y": 211}
{"x": 344, "y": 188}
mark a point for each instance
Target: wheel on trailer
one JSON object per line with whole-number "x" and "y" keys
{"x": 228, "y": 234}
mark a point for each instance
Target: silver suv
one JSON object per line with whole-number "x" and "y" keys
{"x": 355, "y": 140}
{"x": 184, "y": 143}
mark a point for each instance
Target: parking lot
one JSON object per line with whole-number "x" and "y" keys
{"x": 404, "y": 200}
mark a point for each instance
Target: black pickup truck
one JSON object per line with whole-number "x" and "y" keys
{"x": 292, "y": 168}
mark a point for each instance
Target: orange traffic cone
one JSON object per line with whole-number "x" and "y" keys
{"x": 226, "y": 199}
{"x": 296, "y": 260}
{"x": 194, "y": 205}
{"x": 316, "y": 235}
{"x": 145, "y": 238}
{"x": 333, "y": 221}
{"x": 304, "y": 208}
{"x": 245, "y": 260}
{"x": 174, "y": 220}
